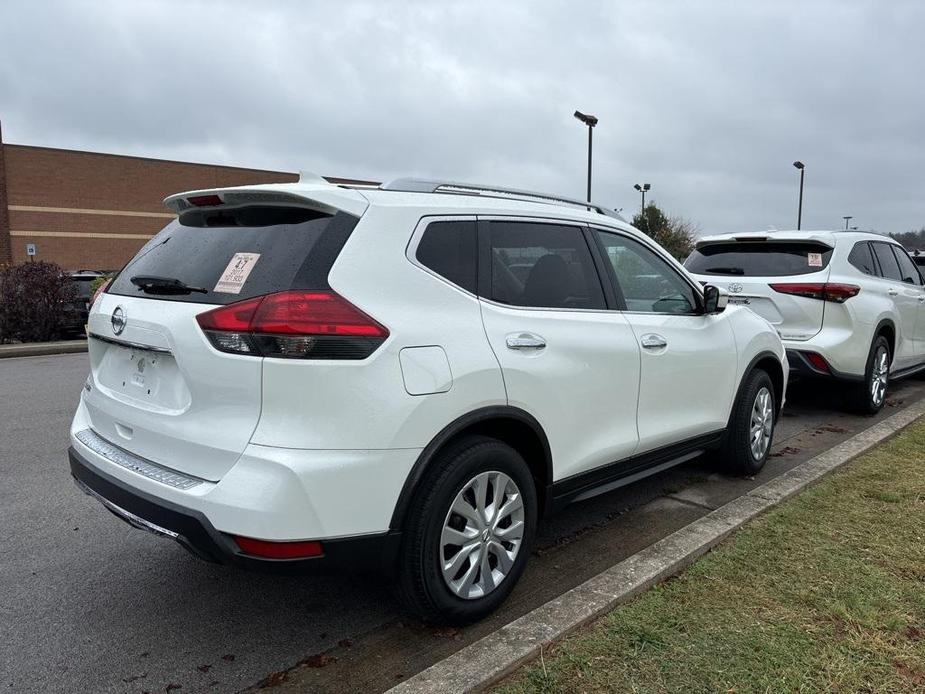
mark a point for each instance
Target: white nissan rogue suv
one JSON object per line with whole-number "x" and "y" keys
{"x": 412, "y": 375}
{"x": 849, "y": 305}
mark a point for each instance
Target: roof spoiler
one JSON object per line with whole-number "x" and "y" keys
{"x": 311, "y": 191}
{"x": 778, "y": 237}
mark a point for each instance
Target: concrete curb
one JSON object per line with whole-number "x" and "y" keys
{"x": 495, "y": 656}
{"x": 40, "y": 349}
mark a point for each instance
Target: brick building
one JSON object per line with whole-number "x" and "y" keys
{"x": 85, "y": 210}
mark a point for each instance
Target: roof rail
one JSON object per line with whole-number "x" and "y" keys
{"x": 423, "y": 185}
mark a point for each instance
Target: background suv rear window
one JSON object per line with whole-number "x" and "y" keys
{"x": 759, "y": 259}
{"x": 297, "y": 248}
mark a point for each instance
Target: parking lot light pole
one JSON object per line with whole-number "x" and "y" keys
{"x": 847, "y": 218}
{"x": 642, "y": 188}
{"x": 590, "y": 121}
{"x": 802, "y": 168}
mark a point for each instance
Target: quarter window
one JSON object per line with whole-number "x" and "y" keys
{"x": 888, "y": 265}
{"x": 861, "y": 258}
{"x": 542, "y": 266}
{"x": 449, "y": 249}
{"x": 648, "y": 283}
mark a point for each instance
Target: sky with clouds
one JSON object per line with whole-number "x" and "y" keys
{"x": 710, "y": 102}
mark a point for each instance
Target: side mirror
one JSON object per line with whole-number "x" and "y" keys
{"x": 714, "y": 299}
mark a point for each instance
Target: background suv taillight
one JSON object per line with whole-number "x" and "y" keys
{"x": 825, "y": 291}
{"x": 294, "y": 325}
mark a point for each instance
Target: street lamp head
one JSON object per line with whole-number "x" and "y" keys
{"x": 588, "y": 120}
{"x": 637, "y": 187}
{"x": 646, "y": 186}
{"x": 798, "y": 164}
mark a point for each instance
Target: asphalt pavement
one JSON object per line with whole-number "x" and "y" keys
{"x": 88, "y": 603}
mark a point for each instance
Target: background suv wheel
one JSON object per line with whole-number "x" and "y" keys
{"x": 870, "y": 396}
{"x": 470, "y": 532}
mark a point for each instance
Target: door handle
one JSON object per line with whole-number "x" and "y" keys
{"x": 653, "y": 341}
{"x": 525, "y": 341}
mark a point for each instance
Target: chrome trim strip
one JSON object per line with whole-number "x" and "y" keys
{"x": 127, "y": 516}
{"x": 127, "y": 343}
{"x": 132, "y": 462}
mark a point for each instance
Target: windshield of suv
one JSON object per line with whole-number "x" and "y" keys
{"x": 221, "y": 256}
{"x": 759, "y": 259}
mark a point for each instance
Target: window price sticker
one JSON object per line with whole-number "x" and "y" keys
{"x": 235, "y": 275}
{"x": 814, "y": 259}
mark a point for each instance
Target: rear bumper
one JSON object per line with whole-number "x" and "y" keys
{"x": 192, "y": 529}
{"x": 801, "y": 367}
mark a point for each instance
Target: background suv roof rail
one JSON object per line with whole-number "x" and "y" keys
{"x": 423, "y": 185}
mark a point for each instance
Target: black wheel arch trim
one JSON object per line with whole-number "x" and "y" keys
{"x": 456, "y": 427}
{"x": 886, "y": 323}
{"x": 752, "y": 365}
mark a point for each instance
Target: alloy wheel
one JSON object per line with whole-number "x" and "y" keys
{"x": 482, "y": 535}
{"x": 762, "y": 423}
{"x": 880, "y": 376}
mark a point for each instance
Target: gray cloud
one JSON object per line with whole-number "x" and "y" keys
{"x": 708, "y": 101}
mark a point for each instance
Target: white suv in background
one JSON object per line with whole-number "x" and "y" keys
{"x": 412, "y": 374}
{"x": 848, "y": 304}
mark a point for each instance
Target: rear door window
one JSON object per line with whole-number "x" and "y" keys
{"x": 451, "y": 250}
{"x": 888, "y": 265}
{"x": 909, "y": 272}
{"x": 759, "y": 259}
{"x": 275, "y": 249}
{"x": 543, "y": 266}
{"x": 862, "y": 258}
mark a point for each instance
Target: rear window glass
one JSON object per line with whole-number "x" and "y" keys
{"x": 759, "y": 259}
{"x": 83, "y": 285}
{"x": 238, "y": 254}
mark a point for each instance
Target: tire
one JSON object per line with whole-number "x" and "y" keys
{"x": 750, "y": 433}
{"x": 863, "y": 397}
{"x": 471, "y": 463}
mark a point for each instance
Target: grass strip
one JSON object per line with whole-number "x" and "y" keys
{"x": 825, "y": 593}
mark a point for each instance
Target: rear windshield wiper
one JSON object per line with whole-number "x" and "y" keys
{"x": 726, "y": 270}
{"x": 152, "y": 284}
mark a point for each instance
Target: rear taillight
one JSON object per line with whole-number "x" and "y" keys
{"x": 825, "y": 291}
{"x": 293, "y": 325}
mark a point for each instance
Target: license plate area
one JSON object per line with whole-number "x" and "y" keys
{"x": 143, "y": 376}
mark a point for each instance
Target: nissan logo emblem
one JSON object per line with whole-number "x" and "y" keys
{"x": 118, "y": 320}
{"x": 734, "y": 288}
